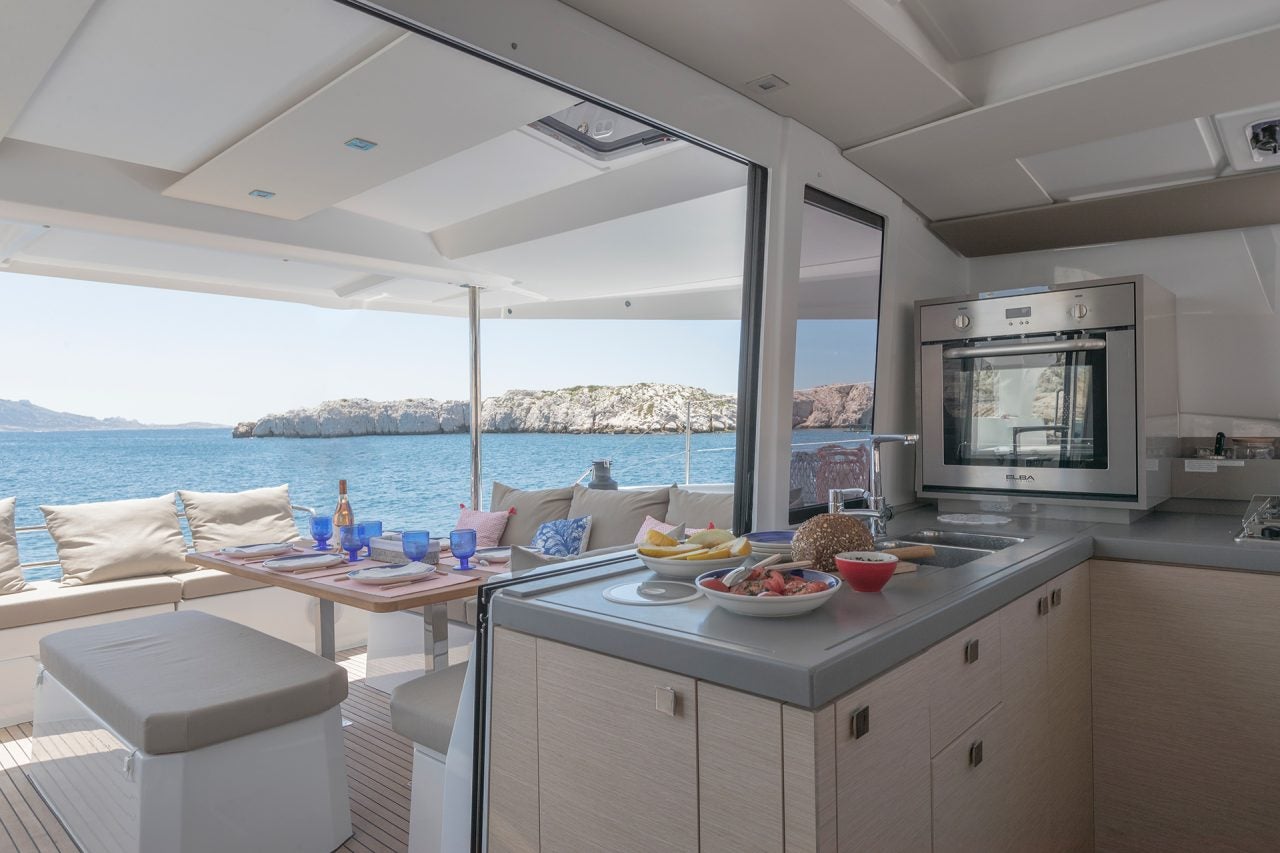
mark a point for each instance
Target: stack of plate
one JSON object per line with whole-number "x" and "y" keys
{"x": 767, "y": 543}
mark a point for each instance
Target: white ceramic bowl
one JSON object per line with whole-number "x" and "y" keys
{"x": 687, "y": 570}
{"x": 772, "y": 605}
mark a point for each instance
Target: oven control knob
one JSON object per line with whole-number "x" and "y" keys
{"x": 1079, "y": 310}
{"x": 962, "y": 321}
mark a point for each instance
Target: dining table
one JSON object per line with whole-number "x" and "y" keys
{"x": 428, "y": 598}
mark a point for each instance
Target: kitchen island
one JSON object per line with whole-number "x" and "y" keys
{"x": 1002, "y": 704}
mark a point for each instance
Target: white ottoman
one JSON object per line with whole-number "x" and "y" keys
{"x": 186, "y": 732}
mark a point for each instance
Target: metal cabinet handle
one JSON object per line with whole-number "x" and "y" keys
{"x": 664, "y": 700}
{"x": 860, "y": 722}
{"x": 1055, "y": 597}
{"x": 975, "y": 753}
{"x": 971, "y": 651}
{"x": 1042, "y": 605}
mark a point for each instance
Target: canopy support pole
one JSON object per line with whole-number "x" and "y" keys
{"x": 473, "y": 318}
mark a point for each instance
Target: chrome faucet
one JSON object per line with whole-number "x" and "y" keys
{"x": 877, "y": 513}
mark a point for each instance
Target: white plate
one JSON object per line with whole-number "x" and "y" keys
{"x": 685, "y": 570}
{"x": 304, "y": 562}
{"x": 266, "y": 549}
{"x": 380, "y": 575}
{"x": 774, "y": 605}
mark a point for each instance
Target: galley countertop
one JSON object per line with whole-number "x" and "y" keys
{"x": 810, "y": 660}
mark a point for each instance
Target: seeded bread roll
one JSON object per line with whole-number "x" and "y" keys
{"x": 822, "y": 537}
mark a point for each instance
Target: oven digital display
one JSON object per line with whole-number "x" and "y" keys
{"x": 1017, "y": 313}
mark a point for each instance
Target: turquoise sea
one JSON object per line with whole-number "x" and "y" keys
{"x": 406, "y": 481}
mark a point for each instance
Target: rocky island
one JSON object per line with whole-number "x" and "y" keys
{"x": 641, "y": 408}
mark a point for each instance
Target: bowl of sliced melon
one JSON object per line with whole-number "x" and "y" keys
{"x": 704, "y": 551}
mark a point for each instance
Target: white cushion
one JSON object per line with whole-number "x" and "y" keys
{"x": 225, "y": 519}
{"x": 10, "y": 571}
{"x": 50, "y": 603}
{"x": 117, "y": 539}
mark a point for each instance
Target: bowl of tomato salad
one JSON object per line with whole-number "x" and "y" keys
{"x": 770, "y": 592}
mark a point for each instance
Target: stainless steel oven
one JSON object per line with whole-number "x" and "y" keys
{"x": 1034, "y": 393}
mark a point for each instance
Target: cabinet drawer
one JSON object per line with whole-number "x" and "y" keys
{"x": 970, "y": 783}
{"x": 963, "y": 672}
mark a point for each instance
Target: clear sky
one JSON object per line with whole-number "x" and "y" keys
{"x": 162, "y": 356}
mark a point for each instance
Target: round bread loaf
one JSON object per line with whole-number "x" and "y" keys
{"x": 822, "y": 537}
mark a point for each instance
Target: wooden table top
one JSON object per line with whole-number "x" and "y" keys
{"x": 353, "y": 597}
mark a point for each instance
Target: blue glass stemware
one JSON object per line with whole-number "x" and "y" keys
{"x": 463, "y": 545}
{"x": 368, "y": 530}
{"x": 416, "y": 544}
{"x": 321, "y": 530}
{"x": 349, "y": 536}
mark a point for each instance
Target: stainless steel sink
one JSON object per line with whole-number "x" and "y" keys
{"x": 982, "y": 541}
{"x": 944, "y": 556}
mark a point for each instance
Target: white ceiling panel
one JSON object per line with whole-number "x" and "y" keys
{"x": 694, "y": 241}
{"x": 410, "y": 290}
{"x": 170, "y": 84}
{"x": 509, "y": 168}
{"x": 1175, "y": 152}
{"x": 419, "y": 100}
{"x": 966, "y": 28}
{"x": 32, "y": 38}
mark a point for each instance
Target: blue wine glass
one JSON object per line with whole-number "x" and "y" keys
{"x": 416, "y": 544}
{"x": 349, "y": 536}
{"x": 368, "y": 530}
{"x": 321, "y": 530}
{"x": 463, "y": 545}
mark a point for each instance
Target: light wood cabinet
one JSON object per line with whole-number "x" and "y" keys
{"x": 882, "y": 763}
{"x": 1025, "y": 635}
{"x": 513, "y": 745}
{"x": 739, "y": 771}
{"x": 1186, "y": 708}
{"x": 970, "y": 781}
{"x": 963, "y": 673}
{"x": 618, "y": 754}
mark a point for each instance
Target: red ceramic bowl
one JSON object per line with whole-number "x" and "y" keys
{"x": 866, "y": 571}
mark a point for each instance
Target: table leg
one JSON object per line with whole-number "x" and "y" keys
{"x": 435, "y": 634}
{"x": 325, "y": 643}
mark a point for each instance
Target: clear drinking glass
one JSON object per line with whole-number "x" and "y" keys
{"x": 416, "y": 544}
{"x": 349, "y": 536}
{"x": 321, "y": 531}
{"x": 463, "y": 545}
{"x": 368, "y": 530}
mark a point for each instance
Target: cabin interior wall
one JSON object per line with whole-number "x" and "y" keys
{"x": 566, "y": 45}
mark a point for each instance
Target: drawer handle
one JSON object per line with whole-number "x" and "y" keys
{"x": 971, "y": 651}
{"x": 860, "y": 722}
{"x": 664, "y": 700}
{"x": 1055, "y": 597}
{"x": 975, "y": 753}
{"x": 1042, "y": 605}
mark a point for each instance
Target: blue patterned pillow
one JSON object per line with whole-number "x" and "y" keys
{"x": 563, "y": 537}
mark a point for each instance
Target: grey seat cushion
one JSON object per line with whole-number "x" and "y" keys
{"x": 48, "y": 601}
{"x": 180, "y": 681}
{"x": 423, "y": 709}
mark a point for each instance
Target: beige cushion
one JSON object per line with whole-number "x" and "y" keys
{"x": 179, "y": 681}
{"x": 226, "y": 519}
{"x": 116, "y": 539}
{"x": 48, "y": 601}
{"x": 423, "y": 709}
{"x": 531, "y": 509}
{"x": 616, "y": 515}
{"x": 10, "y": 571}
{"x": 202, "y": 583}
{"x": 698, "y": 509}
{"x": 463, "y": 610}
{"x": 524, "y": 559}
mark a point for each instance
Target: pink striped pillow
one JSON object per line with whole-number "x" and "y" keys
{"x": 488, "y": 526}
{"x": 651, "y": 523}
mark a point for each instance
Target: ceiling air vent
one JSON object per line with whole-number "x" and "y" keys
{"x": 1264, "y": 143}
{"x": 768, "y": 83}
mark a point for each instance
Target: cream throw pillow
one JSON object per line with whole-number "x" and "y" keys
{"x": 117, "y": 539}
{"x": 10, "y": 572}
{"x": 616, "y": 514}
{"x": 531, "y": 509}
{"x": 227, "y": 519}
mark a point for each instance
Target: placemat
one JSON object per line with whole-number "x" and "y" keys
{"x": 437, "y": 581}
{"x": 251, "y": 561}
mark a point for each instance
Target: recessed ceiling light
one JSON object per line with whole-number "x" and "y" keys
{"x": 262, "y": 193}
{"x": 767, "y": 83}
{"x": 360, "y": 144}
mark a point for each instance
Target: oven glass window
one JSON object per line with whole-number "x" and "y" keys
{"x": 1043, "y": 410}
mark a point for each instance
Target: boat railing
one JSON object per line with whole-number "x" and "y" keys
{"x": 29, "y": 529}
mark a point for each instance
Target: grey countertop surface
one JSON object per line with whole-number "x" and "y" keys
{"x": 810, "y": 660}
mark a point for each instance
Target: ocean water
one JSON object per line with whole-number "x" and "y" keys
{"x": 406, "y": 481}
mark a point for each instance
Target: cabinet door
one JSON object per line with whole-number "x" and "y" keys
{"x": 970, "y": 783}
{"x": 1186, "y": 687}
{"x": 882, "y": 763}
{"x": 618, "y": 754}
{"x": 513, "y": 744}
{"x": 739, "y": 771}
{"x": 1025, "y": 682}
{"x": 963, "y": 672}
{"x": 1069, "y": 782}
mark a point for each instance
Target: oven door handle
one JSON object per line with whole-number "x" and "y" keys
{"x": 1074, "y": 345}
